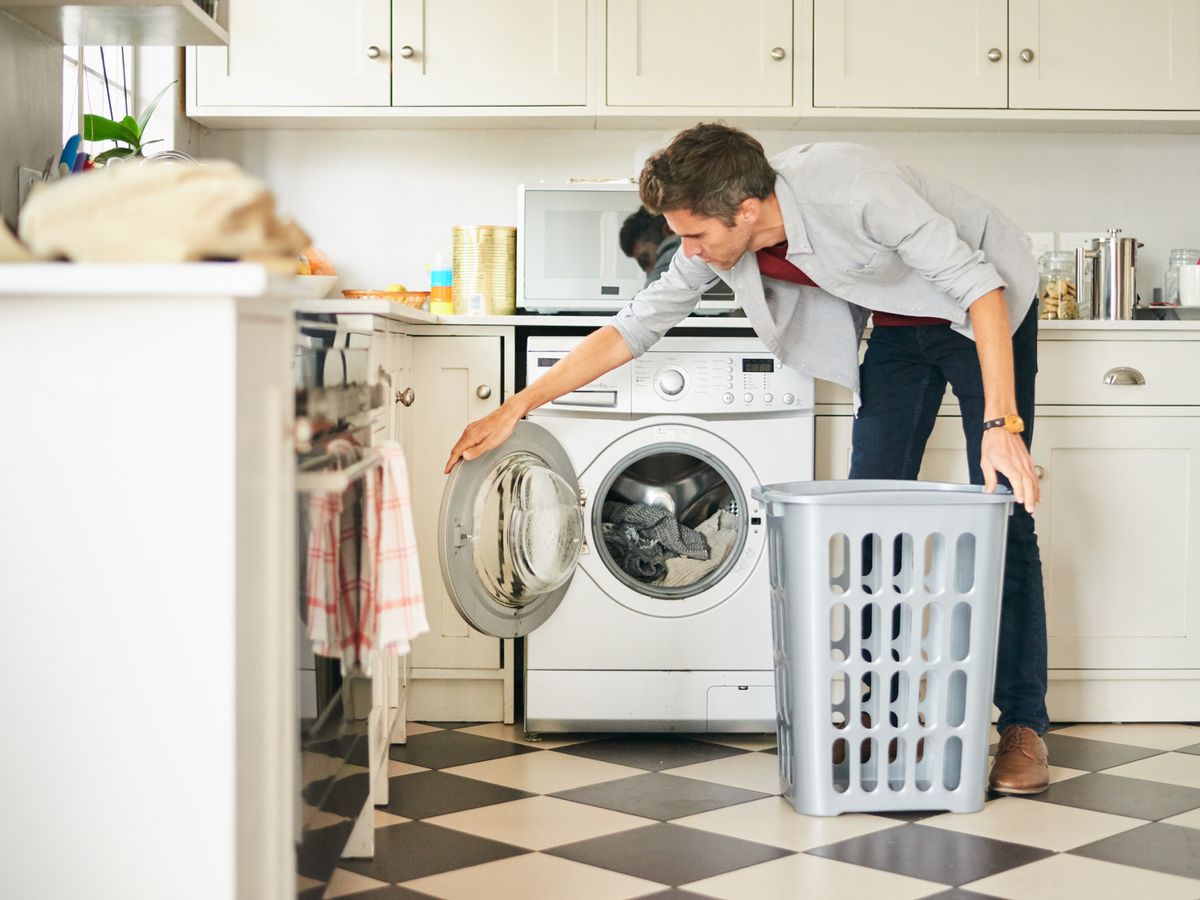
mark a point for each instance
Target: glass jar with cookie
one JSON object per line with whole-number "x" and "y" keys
{"x": 1057, "y": 297}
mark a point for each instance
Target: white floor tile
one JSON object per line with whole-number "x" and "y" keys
{"x": 544, "y": 772}
{"x": 395, "y": 767}
{"x": 419, "y": 728}
{"x": 1158, "y": 735}
{"x": 1046, "y": 825}
{"x": 1064, "y": 875}
{"x": 539, "y": 822}
{"x": 752, "y": 771}
{"x": 811, "y": 876}
{"x": 345, "y": 882}
{"x": 1061, "y": 773}
{"x": 516, "y": 734}
{"x": 773, "y": 821}
{"x": 383, "y": 819}
{"x": 1187, "y": 819}
{"x": 534, "y": 877}
{"x": 742, "y": 741}
{"x": 1169, "y": 768}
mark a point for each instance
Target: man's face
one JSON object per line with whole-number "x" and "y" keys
{"x": 716, "y": 243}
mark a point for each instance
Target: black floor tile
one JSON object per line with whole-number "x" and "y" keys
{"x": 658, "y": 795}
{"x": 423, "y": 795}
{"x": 668, "y": 854}
{"x": 416, "y": 849}
{"x": 1163, "y": 848}
{"x": 445, "y": 749}
{"x": 932, "y": 854}
{"x": 960, "y": 894}
{"x": 1122, "y": 796}
{"x": 651, "y": 752}
{"x": 1092, "y": 756}
{"x": 391, "y": 892}
{"x": 451, "y": 725}
{"x": 673, "y": 894}
{"x": 1195, "y": 748}
{"x": 912, "y": 815}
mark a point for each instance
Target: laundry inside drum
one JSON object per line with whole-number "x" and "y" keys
{"x": 671, "y": 522}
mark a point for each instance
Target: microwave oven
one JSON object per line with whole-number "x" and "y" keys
{"x": 569, "y": 255}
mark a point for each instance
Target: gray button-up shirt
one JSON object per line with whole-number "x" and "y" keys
{"x": 874, "y": 235}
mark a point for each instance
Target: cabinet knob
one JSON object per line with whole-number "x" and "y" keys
{"x": 1027, "y": 55}
{"x": 406, "y": 397}
{"x": 1124, "y": 375}
{"x": 778, "y": 53}
{"x": 374, "y": 52}
{"x": 1040, "y": 472}
{"x": 406, "y": 52}
{"x": 995, "y": 55}
{"x": 483, "y": 392}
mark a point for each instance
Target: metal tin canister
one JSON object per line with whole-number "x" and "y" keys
{"x": 484, "y": 258}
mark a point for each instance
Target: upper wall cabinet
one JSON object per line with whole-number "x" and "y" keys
{"x": 708, "y": 53}
{"x": 144, "y": 23}
{"x": 489, "y": 52}
{"x": 299, "y": 53}
{"x": 922, "y": 53}
{"x": 381, "y": 53}
{"x": 1007, "y": 54}
{"x": 1104, "y": 54}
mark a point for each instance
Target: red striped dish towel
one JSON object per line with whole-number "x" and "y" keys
{"x": 329, "y": 624}
{"x": 393, "y": 604}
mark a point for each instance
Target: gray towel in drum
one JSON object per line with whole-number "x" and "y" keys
{"x": 641, "y": 537}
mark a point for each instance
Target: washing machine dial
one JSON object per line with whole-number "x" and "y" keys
{"x": 670, "y": 381}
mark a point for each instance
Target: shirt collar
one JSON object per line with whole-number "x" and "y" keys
{"x": 793, "y": 222}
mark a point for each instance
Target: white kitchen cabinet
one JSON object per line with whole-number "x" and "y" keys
{"x": 1007, "y": 54}
{"x": 1118, "y": 521}
{"x": 922, "y": 53}
{"x": 1104, "y": 54}
{"x": 297, "y": 53}
{"x": 457, "y": 673}
{"x": 489, "y": 52}
{"x": 688, "y": 53}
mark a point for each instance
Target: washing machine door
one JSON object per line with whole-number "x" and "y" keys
{"x": 511, "y": 531}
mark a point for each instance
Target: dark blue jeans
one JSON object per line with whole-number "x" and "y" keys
{"x": 903, "y": 378}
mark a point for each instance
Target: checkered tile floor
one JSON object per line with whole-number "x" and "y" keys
{"x": 477, "y": 812}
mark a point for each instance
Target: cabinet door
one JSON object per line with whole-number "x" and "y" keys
{"x": 1118, "y": 527}
{"x": 448, "y": 374}
{"x": 489, "y": 52}
{"x": 699, "y": 53}
{"x": 923, "y": 53}
{"x": 1104, "y": 54}
{"x": 299, "y": 53}
{"x": 945, "y": 453}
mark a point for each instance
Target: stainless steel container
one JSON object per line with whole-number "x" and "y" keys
{"x": 1105, "y": 275}
{"x": 485, "y": 270}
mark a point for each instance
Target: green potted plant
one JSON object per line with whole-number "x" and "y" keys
{"x": 127, "y": 131}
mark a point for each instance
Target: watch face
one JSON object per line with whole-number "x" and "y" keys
{"x": 1014, "y": 423}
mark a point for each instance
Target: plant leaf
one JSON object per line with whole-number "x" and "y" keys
{"x": 149, "y": 110}
{"x": 132, "y": 124}
{"x": 98, "y": 128}
{"x": 115, "y": 153}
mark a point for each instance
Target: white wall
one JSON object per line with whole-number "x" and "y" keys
{"x": 30, "y": 106}
{"x": 381, "y": 203}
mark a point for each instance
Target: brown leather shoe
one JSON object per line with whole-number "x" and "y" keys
{"x": 1021, "y": 766}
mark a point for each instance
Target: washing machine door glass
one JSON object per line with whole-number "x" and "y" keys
{"x": 511, "y": 533}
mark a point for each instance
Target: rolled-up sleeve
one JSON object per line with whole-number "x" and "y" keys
{"x": 895, "y": 216}
{"x": 657, "y": 308}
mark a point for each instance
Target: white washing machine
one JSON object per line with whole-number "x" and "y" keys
{"x": 618, "y": 638}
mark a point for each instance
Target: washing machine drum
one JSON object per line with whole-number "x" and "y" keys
{"x": 512, "y": 530}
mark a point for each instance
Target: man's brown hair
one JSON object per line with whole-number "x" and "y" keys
{"x": 709, "y": 169}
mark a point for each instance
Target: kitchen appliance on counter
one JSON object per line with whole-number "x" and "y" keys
{"x": 569, "y": 256}
{"x": 1105, "y": 275}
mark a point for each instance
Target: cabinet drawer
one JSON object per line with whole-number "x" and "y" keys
{"x": 1074, "y": 373}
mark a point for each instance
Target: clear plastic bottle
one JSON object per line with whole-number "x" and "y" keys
{"x": 1057, "y": 295}
{"x": 441, "y": 295}
{"x": 1178, "y": 257}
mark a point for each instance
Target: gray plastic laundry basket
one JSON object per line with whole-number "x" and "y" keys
{"x": 885, "y": 599}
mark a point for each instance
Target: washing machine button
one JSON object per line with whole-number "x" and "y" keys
{"x": 768, "y": 398}
{"x": 728, "y": 398}
{"x": 670, "y": 382}
{"x": 749, "y": 398}
{"x": 789, "y": 399}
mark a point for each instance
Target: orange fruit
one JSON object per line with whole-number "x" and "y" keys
{"x": 318, "y": 261}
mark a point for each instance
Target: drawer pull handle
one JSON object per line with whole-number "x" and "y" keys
{"x": 483, "y": 392}
{"x": 1124, "y": 375}
{"x": 1040, "y": 472}
{"x": 406, "y": 397}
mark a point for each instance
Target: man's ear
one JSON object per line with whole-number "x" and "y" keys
{"x": 749, "y": 211}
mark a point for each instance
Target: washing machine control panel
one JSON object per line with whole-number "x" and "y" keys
{"x": 712, "y": 375}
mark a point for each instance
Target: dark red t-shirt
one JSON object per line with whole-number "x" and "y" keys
{"x": 773, "y": 263}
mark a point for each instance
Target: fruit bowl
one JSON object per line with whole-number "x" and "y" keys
{"x": 315, "y": 287}
{"x": 415, "y": 299}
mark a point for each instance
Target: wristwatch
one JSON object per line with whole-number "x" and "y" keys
{"x": 1011, "y": 423}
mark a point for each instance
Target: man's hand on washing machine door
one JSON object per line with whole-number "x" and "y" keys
{"x": 483, "y": 434}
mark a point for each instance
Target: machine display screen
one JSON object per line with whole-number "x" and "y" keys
{"x": 758, "y": 365}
